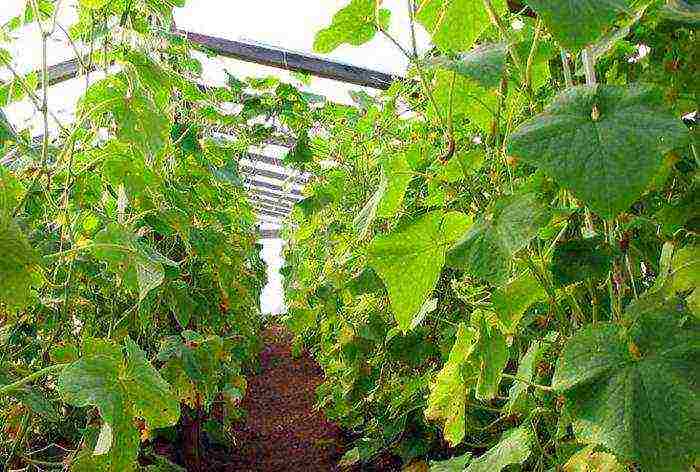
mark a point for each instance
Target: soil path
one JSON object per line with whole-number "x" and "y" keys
{"x": 282, "y": 430}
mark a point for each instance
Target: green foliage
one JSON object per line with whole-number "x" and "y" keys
{"x": 581, "y": 260}
{"x": 467, "y": 268}
{"x": 17, "y": 263}
{"x": 513, "y": 448}
{"x": 131, "y": 228}
{"x": 578, "y": 23}
{"x": 455, "y": 25}
{"x": 121, "y": 386}
{"x": 644, "y": 374}
{"x": 484, "y": 64}
{"x": 605, "y": 143}
{"x": 528, "y": 339}
{"x": 410, "y": 260}
{"x": 486, "y": 248}
{"x": 355, "y": 24}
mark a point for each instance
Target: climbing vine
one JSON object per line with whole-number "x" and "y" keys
{"x": 497, "y": 263}
{"x": 129, "y": 275}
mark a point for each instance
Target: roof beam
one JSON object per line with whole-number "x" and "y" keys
{"x": 274, "y": 214}
{"x": 273, "y": 161}
{"x": 257, "y": 54}
{"x": 256, "y": 171}
{"x": 280, "y": 210}
{"x": 279, "y": 188}
{"x": 289, "y": 60}
{"x": 286, "y": 197}
{"x": 282, "y": 204}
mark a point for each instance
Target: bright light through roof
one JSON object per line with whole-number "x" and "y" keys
{"x": 272, "y": 22}
{"x": 284, "y": 24}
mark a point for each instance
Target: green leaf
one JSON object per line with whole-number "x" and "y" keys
{"x": 149, "y": 393}
{"x": 355, "y": 25}
{"x": 428, "y": 307}
{"x": 588, "y": 460}
{"x": 363, "y": 221}
{"x": 526, "y": 370}
{"x": 513, "y": 299}
{"x": 121, "y": 387}
{"x": 486, "y": 249}
{"x": 468, "y": 98}
{"x": 149, "y": 276}
{"x": 398, "y": 174}
{"x": 635, "y": 391}
{"x": 605, "y": 143}
{"x": 581, "y": 259}
{"x": 685, "y": 276}
{"x": 491, "y": 355}
{"x": 138, "y": 119}
{"x": 130, "y": 259}
{"x": 410, "y": 259}
{"x": 93, "y": 4}
{"x": 577, "y": 23}
{"x": 513, "y": 448}
{"x": 483, "y": 64}
{"x": 455, "y": 24}
{"x": 18, "y": 260}
{"x": 447, "y": 392}
{"x": 455, "y": 464}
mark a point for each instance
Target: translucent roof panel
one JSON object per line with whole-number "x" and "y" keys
{"x": 293, "y": 25}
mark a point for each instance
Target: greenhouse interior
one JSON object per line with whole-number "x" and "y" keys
{"x": 349, "y": 235}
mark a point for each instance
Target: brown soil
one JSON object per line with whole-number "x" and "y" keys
{"x": 283, "y": 431}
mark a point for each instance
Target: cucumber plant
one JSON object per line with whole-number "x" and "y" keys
{"x": 499, "y": 270}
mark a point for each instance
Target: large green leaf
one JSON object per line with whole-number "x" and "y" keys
{"x": 137, "y": 264}
{"x": 526, "y": 369}
{"x": 486, "y": 249}
{"x": 139, "y": 121}
{"x": 455, "y": 464}
{"x": 355, "y": 24}
{"x": 483, "y": 64}
{"x": 121, "y": 387}
{"x": 18, "y": 259}
{"x": 465, "y": 97}
{"x": 605, "y": 143}
{"x": 398, "y": 174}
{"x": 149, "y": 393}
{"x": 491, "y": 355}
{"x": 581, "y": 259}
{"x": 455, "y": 24}
{"x": 513, "y": 448}
{"x": 513, "y": 299}
{"x": 634, "y": 390}
{"x": 410, "y": 259}
{"x": 577, "y": 23}
{"x": 684, "y": 276}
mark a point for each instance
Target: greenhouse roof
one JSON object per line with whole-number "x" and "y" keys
{"x": 266, "y": 38}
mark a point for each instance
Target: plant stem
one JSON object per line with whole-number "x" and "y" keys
{"x": 498, "y": 23}
{"x": 566, "y": 64}
{"x": 5, "y": 389}
{"x": 589, "y": 66}
{"x": 19, "y": 438}
{"x": 531, "y": 56}
{"x": 531, "y": 384}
